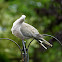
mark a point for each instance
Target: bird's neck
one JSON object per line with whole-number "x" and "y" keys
{"x": 18, "y": 22}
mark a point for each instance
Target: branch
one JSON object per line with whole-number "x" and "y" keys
{"x": 52, "y": 37}
{"x": 30, "y": 43}
{"x": 14, "y": 42}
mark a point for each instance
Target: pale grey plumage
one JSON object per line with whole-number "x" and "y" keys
{"x": 26, "y": 31}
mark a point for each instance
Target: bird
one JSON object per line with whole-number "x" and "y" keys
{"x": 24, "y": 31}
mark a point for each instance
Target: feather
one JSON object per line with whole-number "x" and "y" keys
{"x": 23, "y": 30}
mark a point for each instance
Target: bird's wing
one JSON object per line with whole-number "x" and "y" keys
{"x": 28, "y": 30}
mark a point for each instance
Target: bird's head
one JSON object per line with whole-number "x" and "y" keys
{"x": 21, "y": 19}
{"x": 23, "y": 16}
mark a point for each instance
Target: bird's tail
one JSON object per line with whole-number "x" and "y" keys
{"x": 41, "y": 40}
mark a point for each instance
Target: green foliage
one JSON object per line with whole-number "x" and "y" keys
{"x": 3, "y": 58}
{"x": 10, "y": 10}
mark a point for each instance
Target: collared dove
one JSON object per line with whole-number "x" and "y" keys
{"x": 23, "y": 31}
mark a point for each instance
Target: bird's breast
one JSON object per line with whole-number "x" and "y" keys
{"x": 16, "y": 32}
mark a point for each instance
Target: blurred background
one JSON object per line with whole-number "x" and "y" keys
{"x": 45, "y": 15}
